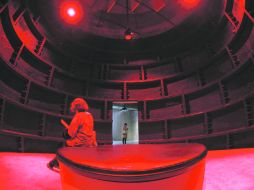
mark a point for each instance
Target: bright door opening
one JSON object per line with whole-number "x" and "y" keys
{"x": 125, "y": 122}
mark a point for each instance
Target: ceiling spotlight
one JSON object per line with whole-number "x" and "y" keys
{"x": 189, "y": 4}
{"x": 71, "y": 12}
{"x": 128, "y": 35}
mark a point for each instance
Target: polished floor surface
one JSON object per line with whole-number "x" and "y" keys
{"x": 225, "y": 170}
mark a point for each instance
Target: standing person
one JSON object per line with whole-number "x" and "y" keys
{"x": 81, "y": 129}
{"x": 125, "y": 133}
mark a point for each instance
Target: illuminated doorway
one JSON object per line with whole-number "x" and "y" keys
{"x": 125, "y": 112}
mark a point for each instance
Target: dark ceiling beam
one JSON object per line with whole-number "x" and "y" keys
{"x": 124, "y": 6}
{"x": 158, "y": 13}
{"x": 102, "y": 17}
{"x": 93, "y": 4}
{"x": 110, "y": 6}
{"x": 134, "y": 5}
{"x": 158, "y": 5}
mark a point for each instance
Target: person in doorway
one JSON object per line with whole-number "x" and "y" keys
{"x": 80, "y": 132}
{"x": 125, "y": 133}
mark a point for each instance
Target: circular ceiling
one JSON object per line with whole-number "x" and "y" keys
{"x": 111, "y": 18}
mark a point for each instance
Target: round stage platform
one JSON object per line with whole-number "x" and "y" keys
{"x": 140, "y": 166}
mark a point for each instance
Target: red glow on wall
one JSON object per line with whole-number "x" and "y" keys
{"x": 238, "y": 9}
{"x": 188, "y": 4}
{"x": 71, "y": 12}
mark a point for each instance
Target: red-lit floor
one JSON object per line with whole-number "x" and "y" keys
{"x": 225, "y": 170}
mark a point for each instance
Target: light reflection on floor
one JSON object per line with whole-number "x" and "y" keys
{"x": 127, "y": 142}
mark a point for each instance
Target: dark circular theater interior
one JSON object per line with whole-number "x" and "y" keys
{"x": 189, "y": 67}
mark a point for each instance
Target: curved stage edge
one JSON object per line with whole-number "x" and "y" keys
{"x": 125, "y": 167}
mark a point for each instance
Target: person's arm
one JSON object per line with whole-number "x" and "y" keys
{"x": 64, "y": 124}
{"x": 73, "y": 127}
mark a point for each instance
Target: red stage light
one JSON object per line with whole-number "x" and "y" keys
{"x": 189, "y": 3}
{"x": 71, "y": 12}
{"x": 128, "y": 35}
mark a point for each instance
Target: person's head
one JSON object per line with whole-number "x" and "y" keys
{"x": 78, "y": 105}
{"x": 125, "y": 124}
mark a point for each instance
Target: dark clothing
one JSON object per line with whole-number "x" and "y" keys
{"x": 124, "y": 140}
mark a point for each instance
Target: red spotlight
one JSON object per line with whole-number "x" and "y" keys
{"x": 71, "y": 12}
{"x": 128, "y": 35}
{"x": 189, "y": 3}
